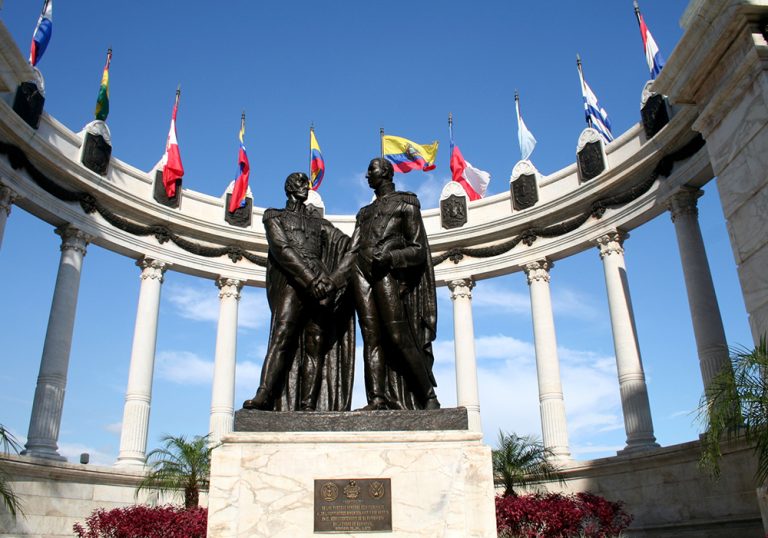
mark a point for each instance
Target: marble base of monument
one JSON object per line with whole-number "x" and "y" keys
{"x": 289, "y": 484}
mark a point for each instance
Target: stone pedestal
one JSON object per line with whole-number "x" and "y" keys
{"x": 263, "y": 483}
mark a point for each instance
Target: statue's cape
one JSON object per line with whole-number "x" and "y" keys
{"x": 339, "y": 365}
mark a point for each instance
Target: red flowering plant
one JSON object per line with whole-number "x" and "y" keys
{"x": 555, "y": 515}
{"x": 145, "y": 522}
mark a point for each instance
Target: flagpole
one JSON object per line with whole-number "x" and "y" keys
{"x": 450, "y": 129}
{"x": 583, "y": 93}
{"x": 637, "y": 11}
{"x": 311, "y": 130}
{"x": 381, "y": 138}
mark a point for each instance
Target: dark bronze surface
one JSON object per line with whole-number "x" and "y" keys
{"x": 353, "y": 505}
{"x": 394, "y": 286}
{"x": 252, "y": 420}
{"x": 525, "y": 194}
{"x": 96, "y": 153}
{"x": 161, "y": 197}
{"x": 654, "y": 114}
{"x": 28, "y": 103}
{"x": 309, "y": 363}
{"x": 590, "y": 160}
{"x": 453, "y": 212}
{"x": 240, "y": 217}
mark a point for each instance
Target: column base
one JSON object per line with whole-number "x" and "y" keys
{"x": 44, "y": 452}
{"x": 638, "y": 447}
{"x": 131, "y": 461}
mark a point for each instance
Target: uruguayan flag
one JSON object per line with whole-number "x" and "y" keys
{"x": 597, "y": 117}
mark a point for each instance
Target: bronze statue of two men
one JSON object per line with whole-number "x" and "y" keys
{"x": 317, "y": 277}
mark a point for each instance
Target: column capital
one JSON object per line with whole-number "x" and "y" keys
{"x": 152, "y": 269}
{"x": 683, "y": 202}
{"x": 538, "y": 270}
{"x": 7, "y": 197}
{"x": 461, "y": 288}
{"x": 611, "y": 243}
{"x": 229, "y": 287}
{"x": 73, "y": 239}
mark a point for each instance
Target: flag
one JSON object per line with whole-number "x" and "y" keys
{"x": 316, "y": 162}
{"x": 597, "y": 117}
{"x": 473, "y": 180}
{"x": 102, "y": 101}
{"x": 42, "y": 34}
{"x": 173, "y": 170}
{"x": 524, "y": 136}
{"x": 406, "y": 155}
{"x": 241, "y": 183}
{"x": 652, "y": 54}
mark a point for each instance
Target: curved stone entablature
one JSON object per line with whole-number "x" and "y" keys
{"x": 118, "y": 210}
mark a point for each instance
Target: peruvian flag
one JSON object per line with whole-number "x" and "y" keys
{"x": 173, "y": 170}
{"x": 474, "y": 180}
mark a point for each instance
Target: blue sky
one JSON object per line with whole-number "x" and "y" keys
{"x": 350, "y": 68}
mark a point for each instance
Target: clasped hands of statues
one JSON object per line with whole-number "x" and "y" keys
{"x": 324, "y": 286}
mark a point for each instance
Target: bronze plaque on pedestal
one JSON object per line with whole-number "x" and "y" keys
{"x": 353, "y": 505}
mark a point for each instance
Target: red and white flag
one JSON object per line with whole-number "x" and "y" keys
{"x": 173, "y": 170}
{"x": 474, "y": 180}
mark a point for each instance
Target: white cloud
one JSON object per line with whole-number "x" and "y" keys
{"x": 426, "y": 186}
{"x": 201, "y": 303}
{"x": 115, "y": 427}
{"x": 72, "y": 452}
{"x": 187, "y": 368}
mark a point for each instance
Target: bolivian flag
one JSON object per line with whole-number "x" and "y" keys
{"x": 102, "y": 101}
{"x": 406, "y": 155}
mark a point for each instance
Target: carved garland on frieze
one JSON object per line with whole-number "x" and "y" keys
{"x": 91, "y": 204}
{"x": 164, "y": 233}
{"x": 597, "y": 209}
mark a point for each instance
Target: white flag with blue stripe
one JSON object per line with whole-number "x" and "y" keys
{"x": 524, "y": 136}
{"x": 597, "y": 117}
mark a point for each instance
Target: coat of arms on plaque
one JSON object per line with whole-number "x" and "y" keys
{"x": 590, "y": 159}
{"x": 524, "y": 192}
{"x": 453, "y": 211}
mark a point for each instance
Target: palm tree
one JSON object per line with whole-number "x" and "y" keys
{"x": 522, "y": 461}
{"x": 179, "y": 465}
{"x": 736, "y": 404}
{"x": 11, "y": 501}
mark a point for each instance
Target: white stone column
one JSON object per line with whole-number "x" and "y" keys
{"x": 223, "y": 391}
{"x": 634, "y": 393}
{"x": 7, "y": 196}
{"x": 554, "y": 429}
{"x": 708, "y": 330}
{"x": 464, "y": 344}
{"x": 47, "y": 406}
{"x": 138, "y": 394}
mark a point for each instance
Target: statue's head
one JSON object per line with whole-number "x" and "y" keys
{"x": 380, "y": 170}
{"x": 297, "y": 186}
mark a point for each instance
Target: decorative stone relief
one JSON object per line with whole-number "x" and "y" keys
{"x": 590, "y": 154}
{"x": 242, "y": 216}
{"x": 611, "y": 243}
{"x": 229, "y": 287}
{"x": 461, "y": 288}
{"x": 684, "y": 203}
{"x": 654, "y": 111}
{"x": 523, "y": 185}
{"x": 7, "y": 197}
{"x": 28, "y": 103}
{"x": 161, "y": 197}
{"x": 453, "y": 206}
{"x": 73, "y": 239}
{"x": 97, "y": 147}
{"x": 152, "y": 269}
{"x": 538, "y": 270}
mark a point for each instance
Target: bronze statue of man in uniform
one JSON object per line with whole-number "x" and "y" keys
{"x": 394, "y": 285}
{"x": 310, "y": 357}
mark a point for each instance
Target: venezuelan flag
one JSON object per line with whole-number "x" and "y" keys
{"x": 316, "y": 162}
{"x": 406, "y": 155}
{"x": 102, "y": 101}
{"x": 240, "y": 190}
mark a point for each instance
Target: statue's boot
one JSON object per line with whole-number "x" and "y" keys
{"x": 262, "y": 400}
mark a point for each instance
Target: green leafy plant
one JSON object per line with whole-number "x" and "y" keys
{"x": 179, "y": 465}
{"x": 735, "y": 405}
{"x": 11, "y": 501}
{"x": 523, "y": 461}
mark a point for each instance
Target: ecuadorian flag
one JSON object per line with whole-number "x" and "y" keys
{"x": 316, "y": 162}
{"x": 102, "y": 101}
{"x": 406, "y": 155}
